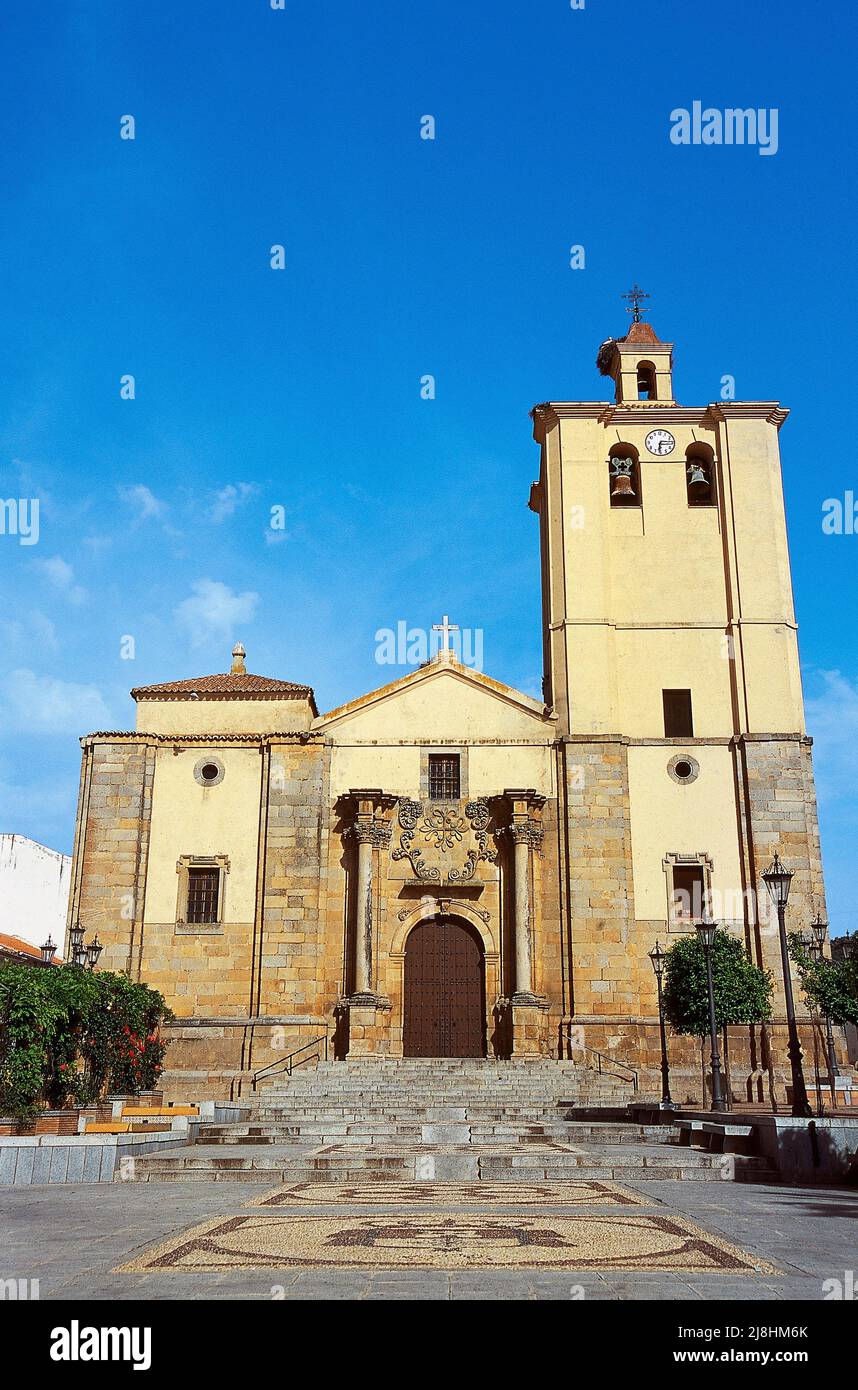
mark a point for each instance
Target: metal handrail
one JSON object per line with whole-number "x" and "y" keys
{"x": 287, "y": 1063}
{"x": 616, "y": 1062}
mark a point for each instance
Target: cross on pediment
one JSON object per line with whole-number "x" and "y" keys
{"x": 445, "y": 628}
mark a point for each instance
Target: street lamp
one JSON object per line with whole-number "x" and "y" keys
{"x": 658, "y": 957}
{"x": 778, "y": 879}
{"x": 814, "y": 950}
{"x": 93, "y": 951}
{"x": 706, "y": 936}
{"x": 820, "y": 931}
{"x": 47, "y": 950}
{"x": 75, "y": 942}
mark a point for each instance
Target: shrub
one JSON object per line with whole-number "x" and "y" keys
{"x": 742, "y": 990}
{"x": 70, "y": 1035}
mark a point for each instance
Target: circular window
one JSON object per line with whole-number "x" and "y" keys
{"x": 683, "y": 768}
{"x": 209, "y": 772}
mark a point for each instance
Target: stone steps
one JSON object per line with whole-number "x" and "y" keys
{"x": 465, "y": 1131}
{"x": 456, "y": 1120}
{"x": 451, "y": 1164}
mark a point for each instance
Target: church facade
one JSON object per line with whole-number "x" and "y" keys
{"x": 448, "y": 867}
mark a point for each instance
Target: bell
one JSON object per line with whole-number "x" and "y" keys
{"x": 697, "y": 478}
{"x": 622, "y": 473}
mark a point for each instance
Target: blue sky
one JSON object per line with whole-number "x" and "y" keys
{"x": 404, "y": 257}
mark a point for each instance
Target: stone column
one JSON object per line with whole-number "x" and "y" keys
{"x": 368, "y": 836}
{"x": 367, "y": 1011}
{"x": 529, "y": 1010}
{"x": 522, "y": 838}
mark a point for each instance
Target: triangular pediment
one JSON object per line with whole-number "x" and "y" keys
{"x": 441, "y": 700}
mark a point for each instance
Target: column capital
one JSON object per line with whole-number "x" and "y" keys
{"x": 376, "y": 832}
{"x": 367, "y": 812}
{"x": 526, "y": 833}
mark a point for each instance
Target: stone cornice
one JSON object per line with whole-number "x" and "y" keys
{"x": 548, "y": 413}
{"x": 720, "y": 741}
{"x": 772, "y": 411}
{"x": 192, "y": 740}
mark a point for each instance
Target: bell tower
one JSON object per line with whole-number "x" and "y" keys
{"x": 671, "y": 662}
{"x": 640, "y": 365}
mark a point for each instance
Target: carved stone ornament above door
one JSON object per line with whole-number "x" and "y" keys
{"x": 446, "y": 843}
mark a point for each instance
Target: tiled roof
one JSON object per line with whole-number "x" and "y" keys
{"x": 194, "y": 738}
{"x": 246, "y": 687}
{"x": 20, "y": 947}
{"x": 641, "y": 333}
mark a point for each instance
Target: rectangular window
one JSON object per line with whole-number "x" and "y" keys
{"x": 689, "y": 886}
{"x": 203, "y": 895}
{"x": 677, "y": 714}
{"x": 444, "y": 778}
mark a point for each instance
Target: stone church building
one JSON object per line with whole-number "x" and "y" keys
{"x": 448, "y": 867}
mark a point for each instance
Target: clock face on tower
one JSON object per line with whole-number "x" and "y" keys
{"x": 660, "y": 442}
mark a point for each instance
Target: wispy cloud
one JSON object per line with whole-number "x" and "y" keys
{"x": 214, "y": 612}
{"x": 143, "y": 500}
{"x": 35, "y": 632}
{"x": 60, "y": 576}
{"x": 228, "y": 499}
{"x": 832, "y": 719}
{"x": 44, "y": 704}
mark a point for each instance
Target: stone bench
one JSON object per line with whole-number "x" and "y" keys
{"x": 715, "y": 1136}
{"x": 155, "y": 1112}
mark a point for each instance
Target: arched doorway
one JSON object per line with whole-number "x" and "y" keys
{"x": 444, "y": 1004}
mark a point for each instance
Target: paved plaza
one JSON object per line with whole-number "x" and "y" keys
{"x": 647, "y": 1240}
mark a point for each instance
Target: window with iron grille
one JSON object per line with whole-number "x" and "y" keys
{"x": 444, "y": 781}
{"x": 203, "y": 887}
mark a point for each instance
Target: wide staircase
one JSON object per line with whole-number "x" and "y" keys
{"x": 441, "y": 1120}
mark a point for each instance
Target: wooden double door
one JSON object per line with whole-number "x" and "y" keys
{"x": 445, "y": 991}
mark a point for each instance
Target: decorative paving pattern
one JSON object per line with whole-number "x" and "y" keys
{"x": 451, "y": 1194}
{"x": 447, "y": 1241}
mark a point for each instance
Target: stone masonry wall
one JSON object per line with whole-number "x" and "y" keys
{"x": 111, "y": 848}
{"x": 289, "y": 944}
{"x": 605, "y": 974}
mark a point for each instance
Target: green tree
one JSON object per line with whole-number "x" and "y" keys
{"x": 69, "y": 1034}
{"x": 829, "y": 986}
{"x": 742, "y": 990}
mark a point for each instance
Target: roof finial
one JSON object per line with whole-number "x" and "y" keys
{"x": 238, "y": 654}
{"x": 636, "y": 294}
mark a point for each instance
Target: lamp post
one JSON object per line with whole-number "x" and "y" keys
{"x": 75, "y": 944}
{"x": 820, "y": 931}
{"x": 658, "y": 957}
{"x": 706, "y": 936}
{"x": 93, "y": 951}
{"x": 778, "y": 879}
{"x": 47, "y": 949}
{"x": 814, "y": 950}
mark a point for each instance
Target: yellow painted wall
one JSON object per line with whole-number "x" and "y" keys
{"x": 491, "y": 768}
{"x": 639, "y": 599}
{"x": 393, "y": 768}
{"x": 439, "y": 703}
{"x": 672, "y": 818}
{"x": 222, "y": 716}
{"x": 378, "y": 742}
{"x": 190, "y": 819}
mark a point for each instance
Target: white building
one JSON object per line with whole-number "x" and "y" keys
{"x": 34, "y": 890}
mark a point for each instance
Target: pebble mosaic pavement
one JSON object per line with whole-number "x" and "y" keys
{"x": 448, "y": 1237}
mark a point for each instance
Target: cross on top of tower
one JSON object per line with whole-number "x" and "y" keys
{"x": 636, "y": 294}
{"x": 445, "y": 628}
